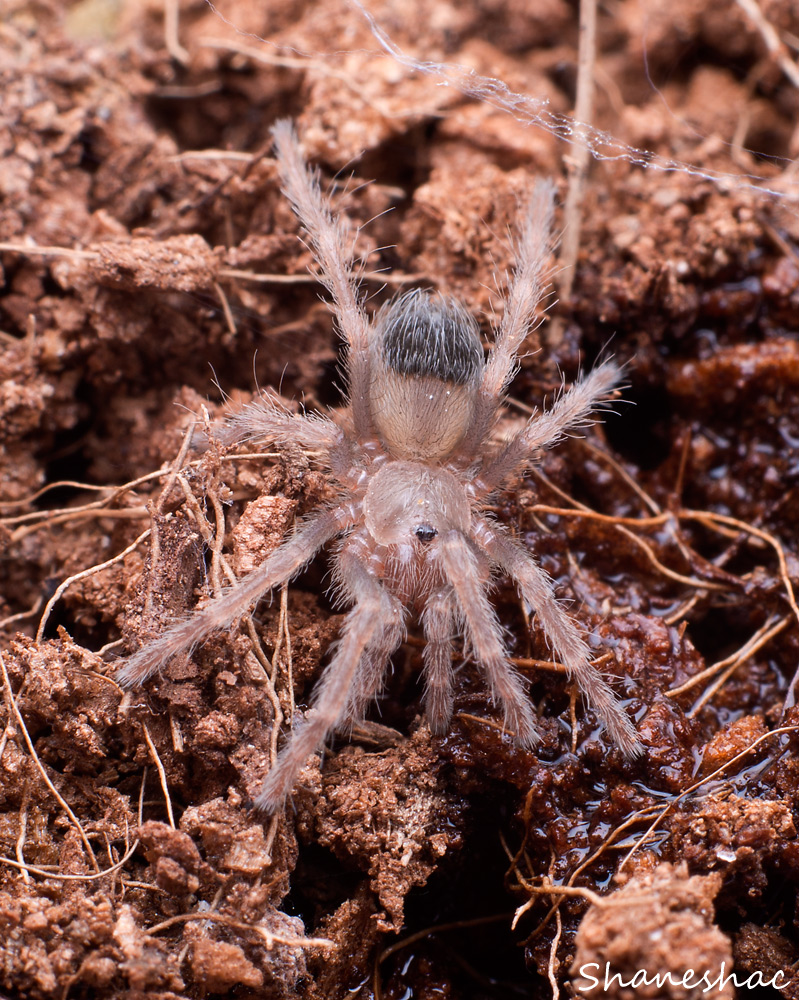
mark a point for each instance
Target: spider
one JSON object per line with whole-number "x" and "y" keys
{"x": 414, "y": 471}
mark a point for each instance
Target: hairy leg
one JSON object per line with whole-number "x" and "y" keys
{"x": 439, "y": 626}
{"x": 280, "y": 566}
{"x": 375, "y": 613}
{"x": 463, "y": 571}
{"x": 573, "y": 409}
{"x": 371, "y": 673}
{"x": 527, "y": 288}
{"x": 332, "y": 249}
{"x": 266, "y": 419}
{"x": 567, "y": 643}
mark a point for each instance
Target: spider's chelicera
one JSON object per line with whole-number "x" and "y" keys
{"x": 414, "y": 469}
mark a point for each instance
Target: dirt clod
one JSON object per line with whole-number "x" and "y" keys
{"x": 153, "y": 277}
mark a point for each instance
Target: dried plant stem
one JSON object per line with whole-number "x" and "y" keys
{"x": 751, "y": 646}
{"x": 722, "y": 680}
{"x": 773, "y": 42}
{"x": 171, "y": 40}
{"x": 698, "y": 784}
{"x": 161, "y": 774}
{"x": 64, "y": 877}
{"x": 270, "y": 938}
{"x": 580, "y": 154}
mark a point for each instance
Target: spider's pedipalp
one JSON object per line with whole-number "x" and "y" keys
{"x": 375, "y": 613}
{"x": 277, "y": 568}
{"x": 484, "y": 634}
{"x": 439, "y": 629}
{"x": 333, "y": 250}
{"x": 575, "y": 408}
{"x": 564, "y": 637}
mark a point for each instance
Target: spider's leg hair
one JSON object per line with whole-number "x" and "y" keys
{"x": 563, "y": 634}
{"x": 439, "y": 626}
{"x": 221, "y": 611}
{"x": 527, "y": 288}
{"x": 265, "y": 418}
{"x": 462, "y": 568}
{"x": 572, "y": 410}
{"x": 375, "y": 612}
{"x": 333, "y": 250}
{"x": 371, "y": 673}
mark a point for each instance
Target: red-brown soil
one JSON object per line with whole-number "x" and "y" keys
{"x": 145, "y": 255}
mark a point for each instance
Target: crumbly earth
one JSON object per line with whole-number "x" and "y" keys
{"x": 152, "y": 273}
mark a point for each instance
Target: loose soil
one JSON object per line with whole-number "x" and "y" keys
{"x": 152, "y": 274}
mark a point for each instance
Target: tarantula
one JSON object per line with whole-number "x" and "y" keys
{"x": 414, "y": 472}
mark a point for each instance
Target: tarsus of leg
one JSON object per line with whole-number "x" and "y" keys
{"x": 333, "y": 250}
{"x": 375, "y": 613}
{"x": 567, "y": 644}
{"x": 573, "y": 409}
{"x": 484, "y": 634}
{"x": 281, "y": 565}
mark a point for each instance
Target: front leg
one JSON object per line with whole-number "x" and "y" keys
{"x": 567, "y": 644}
{"x": 467, "y": 578}
{"x": 232, "y": 603}
{"x": 376, "y": 613}
{"x": 573, "y": 409}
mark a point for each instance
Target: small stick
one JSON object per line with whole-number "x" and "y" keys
{"x": 580, "y": 156}
{"x": 161, "y": 774}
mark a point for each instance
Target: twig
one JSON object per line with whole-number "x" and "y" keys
{"x": 553, "y": 956}
{"x": 711, "y": 691}
{"x": 703, "y": 781}
{"x": 22, "y": 614}
{"x": 690, "y": 581}
{"x": 772, "y": 40}
{"x": 63, "y": 877}
{"x": 23, "y": 833}
{"x": 710, "y": 519}
{"x": 752, "y": 645}
{"x": 580, "y": 155}
{"x": 270, "y": 937}
{"x": 171, "y": 40}
{"x": 161, "y": 774}
{"x": 382, "y": 277}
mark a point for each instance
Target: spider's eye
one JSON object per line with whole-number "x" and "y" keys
{"x": 425, "y": 532}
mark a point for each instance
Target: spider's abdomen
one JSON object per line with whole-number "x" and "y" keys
{"x": 426, "y": 366}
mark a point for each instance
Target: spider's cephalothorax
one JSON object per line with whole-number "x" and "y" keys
{"x": 414, "y": 468}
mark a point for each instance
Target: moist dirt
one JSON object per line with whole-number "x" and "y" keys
{"x": 152, "y": 275}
